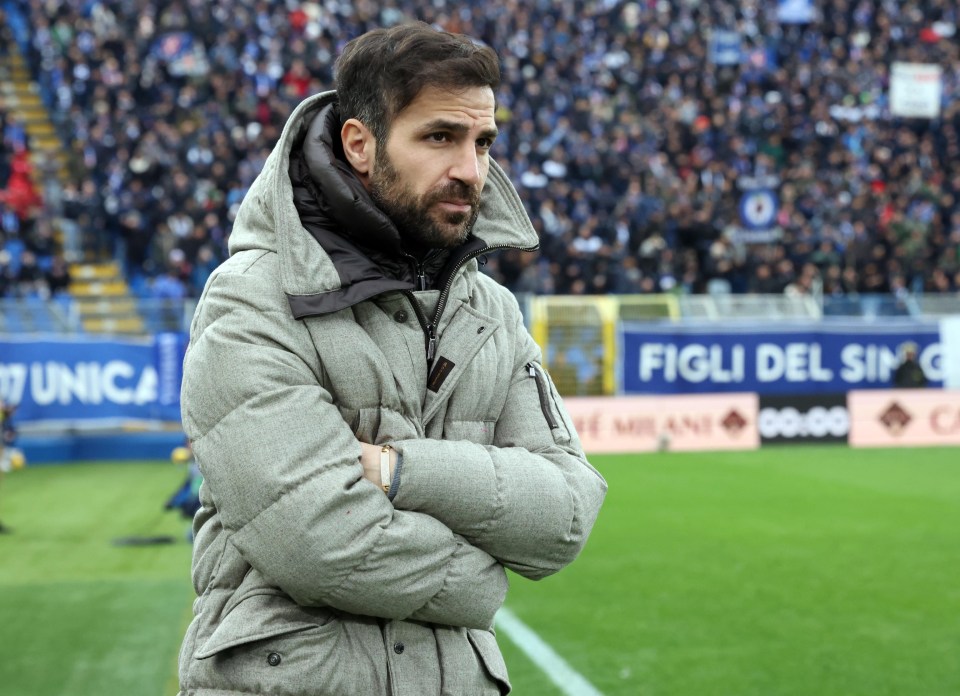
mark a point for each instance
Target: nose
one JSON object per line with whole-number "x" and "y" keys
{"x": 466, "y": 166}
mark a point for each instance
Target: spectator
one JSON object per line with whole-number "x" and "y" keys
{"x": 641, "y": 135}
{"x": 909, "y": 374}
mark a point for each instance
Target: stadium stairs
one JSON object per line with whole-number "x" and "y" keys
{"x": 21, "y": 96}
{"x": 103, "y": 301}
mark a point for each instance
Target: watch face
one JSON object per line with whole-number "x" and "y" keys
{"x": 758, "y": 209}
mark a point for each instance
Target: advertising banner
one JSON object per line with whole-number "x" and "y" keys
{"x": 803, "y": 418}
{"x": 775, "y": 358}
{"x": 915, "y": 89}
{"x": 904, "y": 417}
{"x": 950, "y": 339}
{"x": 77, "y": 381}
{"x": 681, "y": 423}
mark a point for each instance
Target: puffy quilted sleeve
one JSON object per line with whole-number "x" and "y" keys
{"x": 531, "y": 498}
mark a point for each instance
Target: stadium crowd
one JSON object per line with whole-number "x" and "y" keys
{"x": 629, "y": 139}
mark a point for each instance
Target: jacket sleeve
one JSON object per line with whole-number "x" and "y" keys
{"x": 283, "y": 470}
{"x": 531, "y": 499}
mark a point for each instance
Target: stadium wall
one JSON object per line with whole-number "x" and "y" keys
{"x": 679, "y": 384}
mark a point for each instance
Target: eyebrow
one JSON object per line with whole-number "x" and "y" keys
{"x": 458, "y": 127}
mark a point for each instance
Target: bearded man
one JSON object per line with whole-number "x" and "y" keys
{"x": 377, "y": 437}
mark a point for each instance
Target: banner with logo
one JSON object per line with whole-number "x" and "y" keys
{"x": 803, "y": 418}
{"x": 92, "y": 381}
{"x": 780, "y": 357}
{"x": 915, "y": 89}
{"x": 682, "y": 423}
{"x": 904, "y": 417}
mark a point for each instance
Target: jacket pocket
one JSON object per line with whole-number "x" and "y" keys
{"x": 485, "y": 645}
{"x": 557, "y": 421}
{"x": 261, "y": 616}
{"x": 543, "y": 391}
{"x": 269, "y": 645}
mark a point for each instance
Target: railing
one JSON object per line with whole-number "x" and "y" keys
{"x": 64, "y": 314}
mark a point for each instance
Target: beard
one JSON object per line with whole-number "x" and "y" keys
{"x": 417, "y": 217}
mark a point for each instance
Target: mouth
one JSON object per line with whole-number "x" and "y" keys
{"x": 455, "y": 206}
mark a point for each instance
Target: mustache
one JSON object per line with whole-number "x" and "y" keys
{"x": 456, "y": 191}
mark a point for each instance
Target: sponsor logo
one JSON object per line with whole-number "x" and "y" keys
{"x": 895, "y": 418}
{"x": 945, "y": 420}
{"x": 733, "y": 422}
{"x": 816, "y": 423}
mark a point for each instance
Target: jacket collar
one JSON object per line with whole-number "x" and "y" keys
{"x": 268, "y": 219}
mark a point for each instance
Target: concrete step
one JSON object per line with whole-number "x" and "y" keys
{"x": 104, "y": 306}
{"x": 95, "y": 271}
{"x": 98, "y": 288}
{"x": 33, "y": 114}
{"x": 24, "y": 91}
{"x": 18, "y": 100}
{"x": 39, "y": 128}
{"x": 14, "y": 57}
{"x": 123, "y": 325}
{"x": 47, "y": 143}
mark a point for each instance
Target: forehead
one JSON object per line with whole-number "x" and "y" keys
{"x": 473, "y": 107}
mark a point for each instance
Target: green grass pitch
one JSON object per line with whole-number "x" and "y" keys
{"x": 814, "y": 571}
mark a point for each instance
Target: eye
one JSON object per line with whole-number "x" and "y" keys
{"x": 437, "y": 137}
{"x": 484, "y": 143}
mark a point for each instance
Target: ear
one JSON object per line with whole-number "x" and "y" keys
{"x": 359, "y": 146}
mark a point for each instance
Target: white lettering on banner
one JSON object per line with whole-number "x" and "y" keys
{"x": 794, "y": 362}
{"x": 789, "y": 422}
{"x": 931, "y": 361}
{"x": 91, "y": 383}
{"x": 13, "y": 380}
{"x": 692, "y": 363}
{"x": 651, "y": 360}
{"x": 770, "y": 362}
{"x": 872, "y": 363}
{"x": 861, "y": 363}
{"x": 169, "y": 390}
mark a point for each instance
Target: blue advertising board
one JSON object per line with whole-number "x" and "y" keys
{"x": 91, "y": 380}
{"x": 795, "y": 358}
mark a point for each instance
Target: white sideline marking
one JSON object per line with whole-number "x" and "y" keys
{"x": 568, "y": 680}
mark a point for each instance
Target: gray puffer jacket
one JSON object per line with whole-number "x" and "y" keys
{"x": 312, "y": 336}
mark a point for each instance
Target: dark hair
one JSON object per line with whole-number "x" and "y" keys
{"x": 380, "y": 73}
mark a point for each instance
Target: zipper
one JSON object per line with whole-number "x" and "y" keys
{"x": 430, "y": 326}
{"x": 542, "y": 392}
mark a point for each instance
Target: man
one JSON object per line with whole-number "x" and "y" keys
{"x": 377, "y": 437}
{"x": 909, "y": 374}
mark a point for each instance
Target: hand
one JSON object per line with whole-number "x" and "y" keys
{"x": 370, "y": 460}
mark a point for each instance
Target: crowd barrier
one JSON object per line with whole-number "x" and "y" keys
{"x": 757, "y": 386}
{"x": 745, "y": 421}
{"x": 606, "y": 346}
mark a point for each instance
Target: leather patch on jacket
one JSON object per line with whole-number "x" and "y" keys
{"x": 441, "y": 370}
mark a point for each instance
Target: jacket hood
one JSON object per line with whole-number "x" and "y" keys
{"x": 324, "y": 271}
